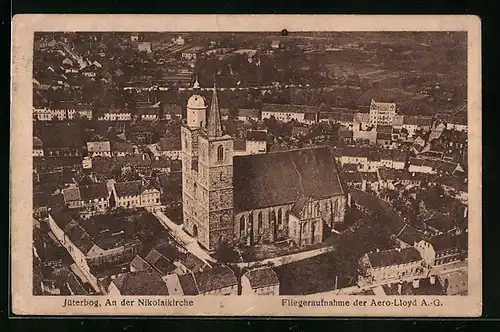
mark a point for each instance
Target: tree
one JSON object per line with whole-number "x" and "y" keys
{"x": 226, "y": 253}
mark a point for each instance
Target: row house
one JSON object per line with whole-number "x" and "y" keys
{"x": 382, "y": 267}
{"x": 89, "y": 250}
{"x": 138, "y": 283}
{"x": 443, "y": 249}
{"x": 134, "y": 194}
{"x": 300, "y": 113}
{"x": 121, "y": 149}
{"x": 170, "y": 147}
{"x": 256, "y": 142}
{"x": 382, "y": 113}
{"x": 37, "y": 147}
{"x": 337, "y": 115}
{"x": 458, "y": 122}
{"x": 171, "y": 112}
{"x": 149, "y": 113}
{"x": 115, "y": 115}
{"x": 219, "y": 280}
{"x": 261, "y": 281}
{"x": 101, "y": 149}
{"x": 413, "y": 123}
{"x": 92, "y": 197}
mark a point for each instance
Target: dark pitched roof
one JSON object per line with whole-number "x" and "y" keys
{"x": 123, "y": 147}
{"x": 193, "y": 263}
{"x": 188, "y": 284}
{"x": 394, "y": 257}
{"x": 37, "y": 143}
{"x": 280, "y": 178}
{"x": 256, "y": 135}
{"x": 449, "y": 241}
{"x": 62, "y": 216}
{"x": 215, "y": 278}
{"x": 262, "y": 278}
{"x": 129, "y": 188}
{"x": 384, "y": 136}
{"x": 98, "y": 190}
{"x": 409, "y": 235}
{"x": 286, "y": 108}
{"x": 170, "y": 143}
{"x": 172, "y": 109}
{"x": 140, "y": 283}
{"x": 440, "y": 222}
{"x": 140, "y": 264}
{"x": 162, "y": 264}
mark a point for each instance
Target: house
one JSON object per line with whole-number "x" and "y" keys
{"x": 382, "y": 113}
{"x": 440, "y": 223}
{"x": 37, "y": 147}
{"x": 263, "y": 281}
{"x": 149, "y": 112}
{"x": 457, "y": 122}
{"x": 399, "y": 159}
{"x": 361, "y": 121}
{"x": 161, "y": 264}
{"x": 300, "y": 113}
{"x": 390, "y": 265}
{"x": 418, "y": 165}
{"x": 92, "y": 197}
{"x": 455, "y": 282}
{"x": 190, "y": 263}
{"x": 115, "y": 115}
{"x": 144, "y": 47}
{"x": 121, "y": 149}
{"x": 384, "y": 139}
{"x": 92, "y": 243}
{"x": 170, "y": 147}
{"x": 355, "y": 155}
{"x": 172, "y": 111}
{"x": 443, "y": 249}
{"x": 256, "y": 141}
{"x": 134, "y": 194}
{"x": 138, "y": 283}
{"x": 62, "y": 139}
{"x": 218, "y": 280}
{"x": 248, "y": 114}
{"x": 101, "y": 149}
{"x": 386, "y": 158}
{"x": 345, "y": 135}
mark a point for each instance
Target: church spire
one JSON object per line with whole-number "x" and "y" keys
{"x": 214, "y": 125}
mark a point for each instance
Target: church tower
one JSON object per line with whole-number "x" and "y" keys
{"x": 208, "y": 210}
{"x": 190, "y": 130}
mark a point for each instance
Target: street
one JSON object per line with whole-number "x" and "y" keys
{"x": 187, "y": 242}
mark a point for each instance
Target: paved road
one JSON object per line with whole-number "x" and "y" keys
{"x": 183, "y": 239}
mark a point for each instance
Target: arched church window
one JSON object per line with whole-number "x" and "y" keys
{"x": 242, "y": 226}
{"x": 220, "y": 153}
{"x": 259, "y": 224}
{"x": 280, "y": 217}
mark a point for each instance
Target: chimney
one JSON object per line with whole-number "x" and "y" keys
{"x": 416, "y": 283}
{"x": 432, "y": 280}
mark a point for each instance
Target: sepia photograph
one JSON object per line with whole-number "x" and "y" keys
{"x": 320, "y": 168}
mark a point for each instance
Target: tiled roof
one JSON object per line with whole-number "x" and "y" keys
{"x": 449, "y": 241}
{"x": 99, "y": 146}
{"x": 256, "y": 135}
{"x": 286, "y": 108}
{"x": 71, "y": 194}
{"x": 259, "y": 278}
{"x": 409, "y": 235}
{"x": 386, "y": 129}
{"x": 394, "y": 257}
{"x": 384, "y": 136}
{"x": 355, "y": 152}
{"x": 123, "y": 147}
{"x": 170, "y": 144}
{"x": 140, "y": 264}
{"x": 249, "y": 112}
{"x": 172, "y": 109}
{"x": 362, "y": 117}
{"x": 129, "y": 188}
{"x": 37, "y": 143}
{"x": 374, "y": 156}
{"x": 188, "y": 284}
{"x": 94, "y": 191}
{"x": 279, "y": 178}
{"x": 370, "y": 177}
{"x": 215, "y": 278}
{"x": 162, "y": 264}
{"x": 193, "y": 263}
{"x": 383, "y": 106}
{"x": 141, "y": 283}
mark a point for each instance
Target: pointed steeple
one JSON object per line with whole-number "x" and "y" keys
{"x": 214, "y": 125}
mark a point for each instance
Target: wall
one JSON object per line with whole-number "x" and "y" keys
{"x": 246, "y": 289}
{"x": 396, "y": 271}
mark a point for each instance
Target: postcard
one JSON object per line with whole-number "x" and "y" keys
{"x": 246, "y": 165}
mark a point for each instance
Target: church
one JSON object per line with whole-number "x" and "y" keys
{"x": 293, "y": 195}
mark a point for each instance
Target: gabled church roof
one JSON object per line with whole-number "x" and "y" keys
{"x": 281, "y": 178}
